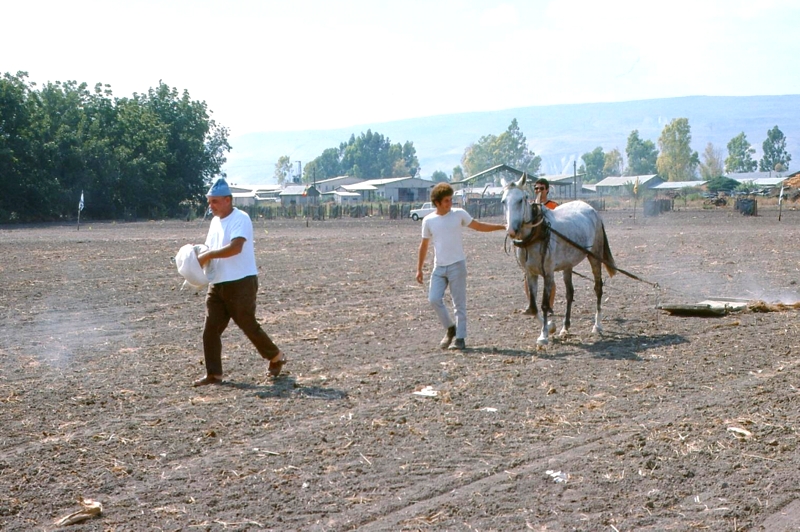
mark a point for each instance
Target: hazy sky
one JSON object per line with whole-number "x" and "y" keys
{"x": 319, "y": 64}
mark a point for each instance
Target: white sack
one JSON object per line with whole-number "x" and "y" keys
{"x": 189, "y": 266}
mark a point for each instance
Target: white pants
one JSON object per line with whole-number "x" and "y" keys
{"x": 454, "y": 275}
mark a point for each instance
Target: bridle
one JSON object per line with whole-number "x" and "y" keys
{"x": 530, "y": 223}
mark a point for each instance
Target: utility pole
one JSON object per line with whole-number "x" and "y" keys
{"x": 575, "y": 179}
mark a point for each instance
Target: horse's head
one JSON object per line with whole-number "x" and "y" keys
{"x": 516, "y": 207}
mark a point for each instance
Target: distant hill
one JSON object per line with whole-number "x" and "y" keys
{"x": 559, "y": 134}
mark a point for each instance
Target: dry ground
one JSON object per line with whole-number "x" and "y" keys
{"x": 663, "y": 423}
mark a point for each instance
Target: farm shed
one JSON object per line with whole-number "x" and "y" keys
{"x": 244, "y": 199}
{"x": 299, "y": 195}
{"x": 616, "y": 185}
{"x": 333, "y": 183}
{"x": 563, "y": 186}
{"x": 402, "y": 189}
{"x": 365, "y": 190}
{"x": 758, "y": 179}
{"x": 674, "y": 188}
{"x": 342, "y": 197}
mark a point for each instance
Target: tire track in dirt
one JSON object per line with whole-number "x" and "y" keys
{"x": 431, "y": 498}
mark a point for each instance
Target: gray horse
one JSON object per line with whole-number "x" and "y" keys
{"x": 548, "y": 241}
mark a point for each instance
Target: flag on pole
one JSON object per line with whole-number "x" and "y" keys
{"x": 636, "y": 187}
{"x": 80, "y": 203}
{"x": 780, "y": 198}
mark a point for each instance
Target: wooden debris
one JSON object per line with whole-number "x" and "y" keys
{"x": 90, "y": 509}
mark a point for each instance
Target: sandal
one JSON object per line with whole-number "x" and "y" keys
{"x": 276, "y": 364}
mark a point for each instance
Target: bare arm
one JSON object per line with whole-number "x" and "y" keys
{"x": 423, "y": 252}
{"x": 234, "y": 248}
{"x": 485, "y": 227}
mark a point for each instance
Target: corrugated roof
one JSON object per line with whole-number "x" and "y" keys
{"x": 359, "y": 186}
{"x": 330, "y": 179}
{"x": 618, "y": 181}
{"x": 760, "y": 181}
{"x": 386, "y": 181}
{"x": 293, "y": 190}
{"x": 672, "y": 185}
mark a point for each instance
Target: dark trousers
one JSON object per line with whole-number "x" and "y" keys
{"x": 233, "y": 300}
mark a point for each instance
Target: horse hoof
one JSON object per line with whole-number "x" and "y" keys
{"x": 564, "y": 333}
{"x": 541, "y": 342}
{"x": 597, "y": 330}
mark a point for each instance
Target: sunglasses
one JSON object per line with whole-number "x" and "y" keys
{"x": 538, "y": 188}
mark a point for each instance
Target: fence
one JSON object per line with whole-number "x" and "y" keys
{"x": 326, "y": 211}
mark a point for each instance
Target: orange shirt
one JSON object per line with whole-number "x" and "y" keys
{"x": 550, "y": 204}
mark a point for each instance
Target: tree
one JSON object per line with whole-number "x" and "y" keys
{"x": 642, "y": 155}
{"x": 712, "y": 163}
{"x": 283, "y": 168}
{"x": 740, "y": 155}
{"x": 612, "y": 165}
{"x": 721, "y": 184}
{"x": 593, "y": 165}
{"x": 368, "y": 156}
{"x": 325, "y": 166}
{"x": 65, "y": 138}
{"x": 510, "y": 147}
{"x": 775, "y": 158}
{"x": 439, "y": 177}
{"x": 676, "y": 160}
{"x": 458, "y": 173}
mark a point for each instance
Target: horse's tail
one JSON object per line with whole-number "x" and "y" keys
{"x": 609, "y": 259}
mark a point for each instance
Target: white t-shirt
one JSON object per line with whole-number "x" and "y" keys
{"x": 445, "y": 233}
{"x": 220, "y": 233}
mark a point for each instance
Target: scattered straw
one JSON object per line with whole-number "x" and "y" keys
{"x": 762, "y": 306}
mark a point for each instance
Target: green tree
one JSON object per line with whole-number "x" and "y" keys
{"x": 775, "y": 158}
{"x": 612, "y": 165}
{"x": 740, "y": 155}
{"x": 21, "y": 178}
{"x": 439, "y": 177}
{"x": 676, "y": 160}
{"x": 712, "y": 163}
{"x": 64, "y": 138}
{"x": 721, "y": 184}
{"x": 196, "y": 148}
{"x": 642, "y": 155}
{"x": 458, "y": 173}
{"x": 325, "y": 166}
{"x": 592, "y": 166}
{"x": 368, "y": 156}
{"x": 283, "y": 168}
{"x": 510, "y": 147}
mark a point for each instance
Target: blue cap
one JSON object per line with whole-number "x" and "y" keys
{"x": 219, "y": 188}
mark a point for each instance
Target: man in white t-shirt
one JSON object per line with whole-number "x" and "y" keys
{"x": 444, "y": 228}
{"x": 230, "y": 264}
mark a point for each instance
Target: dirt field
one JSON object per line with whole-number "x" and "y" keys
{"x": 663, "y": 423}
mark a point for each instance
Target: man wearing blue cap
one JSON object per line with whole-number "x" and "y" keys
{"x": 233, "y": 284}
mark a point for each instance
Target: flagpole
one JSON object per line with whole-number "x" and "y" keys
{"x": 780, "y": 204}
{"x": 80, "y": 208}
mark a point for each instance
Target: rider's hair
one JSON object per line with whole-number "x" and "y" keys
{"x": 544, "y": 182}
{"x": 440, "y": 191}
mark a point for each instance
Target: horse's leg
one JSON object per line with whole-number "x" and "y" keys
{"x": 531, "y": 296}
{"x": 547, "y": 324}
{"x": 570, "y": 296}
{"x": 531, "y": 287}
{"x": 598, "y": 290}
